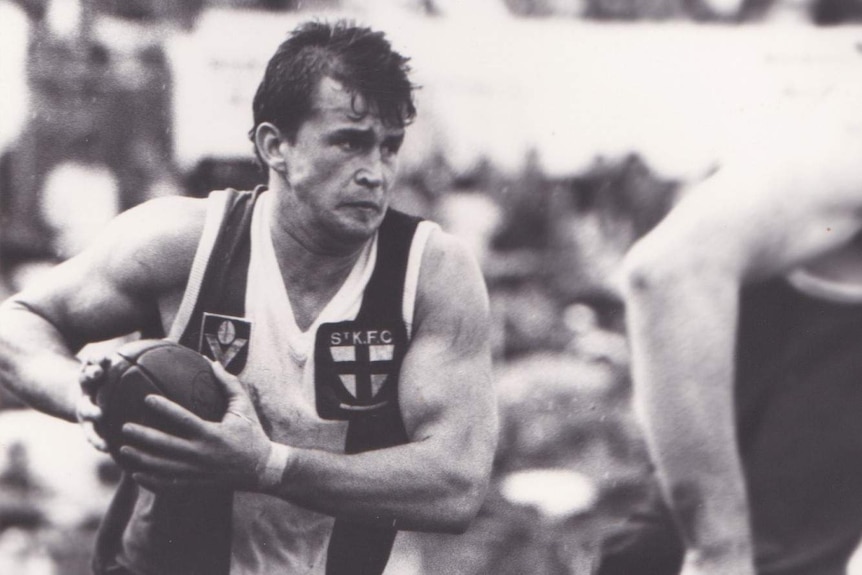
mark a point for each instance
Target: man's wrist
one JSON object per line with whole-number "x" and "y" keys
{"x": 273, "y": 470}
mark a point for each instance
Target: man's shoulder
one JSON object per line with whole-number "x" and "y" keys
{"x": 760, "y": 215}
{"x": 176, "y": 221}
{"x": 445, "y": 250}
{"x": 450, "y": 275}
{"x": 155, "y": 240}
{"x": 174, "y": 207}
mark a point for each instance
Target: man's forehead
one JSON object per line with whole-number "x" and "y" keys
{"x": 334, "y": 101}
{"x": 331, "y": 93}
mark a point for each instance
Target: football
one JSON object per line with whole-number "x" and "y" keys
{"x": 161, "y": 367}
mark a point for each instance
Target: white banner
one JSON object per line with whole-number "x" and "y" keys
{"x": 678, "y": 94}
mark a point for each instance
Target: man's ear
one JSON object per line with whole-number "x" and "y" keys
{"x": 269, "y": 139}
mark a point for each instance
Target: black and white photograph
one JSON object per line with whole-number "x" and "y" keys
{"x": 429, "y": 287}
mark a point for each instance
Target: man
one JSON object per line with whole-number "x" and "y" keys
{"x": 744, "y": 309}
{"x": 359, "y": 337}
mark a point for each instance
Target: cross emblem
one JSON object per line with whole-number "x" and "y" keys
{"x": 357, "y": 366}
{"x": 363, "y": 369}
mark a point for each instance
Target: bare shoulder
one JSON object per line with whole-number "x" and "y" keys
{"x": 160, "y": 222}
{"x": 780, "y": 202}
{"x": 177, "y": 215}
{"x": 153, "y": 243}
{"x": 161, "y": 231}
{"x": 451, "y": 285}
{"x": 816, "y": 163}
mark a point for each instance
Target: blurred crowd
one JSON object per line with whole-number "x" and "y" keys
{"x": 97, "y": 138}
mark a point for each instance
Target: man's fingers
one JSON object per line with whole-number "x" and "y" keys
{"x": 87, "y": 410}
{"x": 231, "y": 385}
{"x": 158, "y": 441}
{"x": 92, "y": 437}
{"x": 183, "y": 420}
{"x": 90, "y": 376}
{"x": 89, "y": 371}
{"x": 239, "y": 404}
{"x": 88, "y": 415}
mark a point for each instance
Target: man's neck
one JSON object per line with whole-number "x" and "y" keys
{"x": 312, "y": 274}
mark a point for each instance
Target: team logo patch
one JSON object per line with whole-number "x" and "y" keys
{"x": 225, "y": 340}
{"x": 356, "y": 367}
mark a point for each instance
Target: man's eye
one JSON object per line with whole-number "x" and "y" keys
{"x": 391, "y": 148}
{"x": 348, "y": 145}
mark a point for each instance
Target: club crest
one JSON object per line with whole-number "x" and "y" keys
{"x": 225, "y": 339}
{"x": 356, "y": 368}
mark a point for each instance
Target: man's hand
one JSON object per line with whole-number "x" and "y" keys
{"x": 232, "y": 453}
{"x": 90, "y": 378}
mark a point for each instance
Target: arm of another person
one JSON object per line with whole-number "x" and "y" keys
{"x": 104, "y": 292}
{"x": 436, "y": 482}
{"x": 753, "y": 219}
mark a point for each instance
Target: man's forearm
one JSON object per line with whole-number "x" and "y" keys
{"x": 395, "y": 486}
{"x": 683, "y": 339}
{"x": 35, "y": 363}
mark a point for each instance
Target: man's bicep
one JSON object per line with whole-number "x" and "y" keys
{"x": 446, "y": 386}
{"x": 83, "y": 300}
{"x": 113, "y": 287}
{"x": 444, "y": 392}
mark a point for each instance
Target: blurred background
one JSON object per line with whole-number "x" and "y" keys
{"x": 551, "y": 135}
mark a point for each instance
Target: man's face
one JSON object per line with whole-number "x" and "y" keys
{"x": 340, "y": 169}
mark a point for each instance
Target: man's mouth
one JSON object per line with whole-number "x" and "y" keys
{"x": 369, "y": 206}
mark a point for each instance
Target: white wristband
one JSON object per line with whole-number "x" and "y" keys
{"x": 275, "y": 465}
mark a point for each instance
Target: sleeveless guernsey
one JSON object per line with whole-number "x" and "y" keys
{"x": 331, "y": 387}
{"x": 799, "y": 416}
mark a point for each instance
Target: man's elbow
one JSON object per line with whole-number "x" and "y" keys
{"x": 466, "y": 491}
{"x": 661, "y": 271}
{"x": 648, "y": 272}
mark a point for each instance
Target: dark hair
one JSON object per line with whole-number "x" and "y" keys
{"x": 362, "y": 60}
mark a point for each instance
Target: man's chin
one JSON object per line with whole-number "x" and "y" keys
{"x": 359, "y": 228}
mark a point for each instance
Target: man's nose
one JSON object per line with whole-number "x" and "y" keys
{"x": 371, "y": 173}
